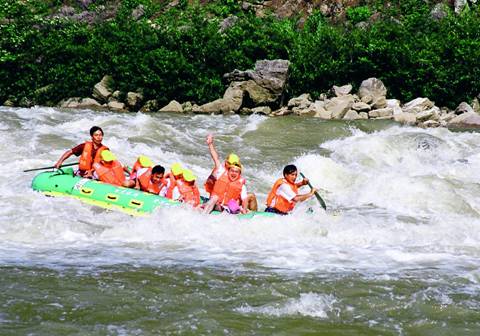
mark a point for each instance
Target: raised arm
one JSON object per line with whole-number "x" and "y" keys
{"x": 213, "y": 151}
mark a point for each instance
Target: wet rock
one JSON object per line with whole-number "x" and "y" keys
{"x": 470, "y": 119}
{"x": 116, "y": 106}
{"x": 405, "y": 118}
{"x": 265, "y": 110}
{"x": 281, "y": 112}
{"x": 173, "y": 106}
{"x": 78, "y": 102}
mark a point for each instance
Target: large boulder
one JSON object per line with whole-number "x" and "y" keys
{"x": 103, "y": 89}
{"x": 339, "y": 106}
{"x": 265, "y": 84}
{"x": 470, "y": 119}
{"x": 372, "y": 90}
{"x": 464, "y": 108}
{"x": 418, "y": 105}
{"x": 173, "y": 106}
{"x": 78, "y": 102}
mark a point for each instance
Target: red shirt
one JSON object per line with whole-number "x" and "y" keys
{"x": 77, "y": 150}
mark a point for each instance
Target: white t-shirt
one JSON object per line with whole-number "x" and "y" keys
{"x": 286, "y": 191}
{"x": 220, "y": 171}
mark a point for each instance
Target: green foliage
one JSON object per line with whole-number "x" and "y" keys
{"x": 358, "y": 14}
{"x": 182, "y": 54}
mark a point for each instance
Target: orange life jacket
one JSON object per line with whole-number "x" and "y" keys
{"x": 227, "y": 190}
{"x": 173, "y": 183}
{"x": 86, "y": 162}
{"x": 136, "y": 167}
{"x": 146, "y": 183}
{"x": 279, "y": 202}
{"x": 189, "y": 193}
{"x": 111, "y": 173}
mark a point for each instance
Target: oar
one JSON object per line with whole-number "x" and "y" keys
{"x": 319, "y": 198}
{"x": 43, "y": 168}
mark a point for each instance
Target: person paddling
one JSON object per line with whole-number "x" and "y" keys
{"x": 110, "y": 170}
{"x": 284, "y": 194}
{"x": 219, "y": 169}
{"x": 88, "y": 151}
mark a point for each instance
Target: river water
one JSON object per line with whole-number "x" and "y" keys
{"x": 397, "y": 253}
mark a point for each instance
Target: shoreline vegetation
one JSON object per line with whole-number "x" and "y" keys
{"x": 147, "y": 55}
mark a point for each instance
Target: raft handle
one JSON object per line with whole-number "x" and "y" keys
{"x": 112, "y": 197}
{"x": 135, "y": 203}
{"x": 86, "y": 191}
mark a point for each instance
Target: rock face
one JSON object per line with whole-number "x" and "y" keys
{"x": 173, "y": 106}
{"x": 103, "y": 89}
{"x": 469, "y": 119}
{"x": 263, "y": 86}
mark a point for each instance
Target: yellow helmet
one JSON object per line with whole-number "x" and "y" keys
{"x": 145, "y": 162}
{"x": 188, "y": 175}
{"x": 108, "y": 156}
{"x": 233, "y": 159}
{"x": 176, "y": 168}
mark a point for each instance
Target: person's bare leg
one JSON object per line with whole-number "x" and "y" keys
{"x": 210, "y": 205}
{"x": 252, "y": 203}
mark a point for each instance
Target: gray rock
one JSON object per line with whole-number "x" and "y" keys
{"x": 379, "y": 102}
{"x": 463, "y": 108}
{"x": 351, "y": 115}
{"x": 440, "y": 11}
{"x": 304, "y": 101}
{"x": 339, "y": 106}
{"x": 344, "y": 90}
{"x": 116, "y": 106}
{"x": 103, "y": 89}
{"x": 405, "y": 118}
{"x": 418, "y": 105}
{"x": 432, "y": 114}
{"x": 363, "y": 115}
{"x": 150, "y": 106}
{"x": 372, "y": 87}
{"x": 228, "y": 23}
{"x": 134, "y": 99}
{"x": 395, "y": 105}
{"x": 78, "y": 102}
{"x": 281, "y": 112}
{"x": 361, "y": 107}
{"x": 459, "y": 5}
{"x": 381, "y": 113}
{"x": 470, "y": 119}
{"x": 173, "y": 106}
{"x": 138, "y": 12}
{"x": 266, "y": 110}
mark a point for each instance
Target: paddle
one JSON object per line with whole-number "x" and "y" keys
{"x": 322, "y": 203}
{"x": 43, "y": 168}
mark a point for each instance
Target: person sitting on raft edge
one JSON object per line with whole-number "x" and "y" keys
{"x": 110, "y": 170}
{"x": 89, "y": 153}
{"x": 219, "y": 169}
{"x": 284, "y": 194}
{"x": 175, "y": 174}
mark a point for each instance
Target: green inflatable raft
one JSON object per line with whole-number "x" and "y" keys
{"x": 131, "y": 201}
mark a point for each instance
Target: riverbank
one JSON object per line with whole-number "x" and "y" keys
{"x": 180, "y": 51}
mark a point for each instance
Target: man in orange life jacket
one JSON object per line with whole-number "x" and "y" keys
{"x": 174, "y": 175}
{"x": 284, "y": 194}
{"x": 187, "y": 189}
{"x": 250, "y": 202}
{"x": 229, "y": 188}
{"x": 111, "y": 171}
{"x": 88, "y": 151}
{"x": 151, "y": 179}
